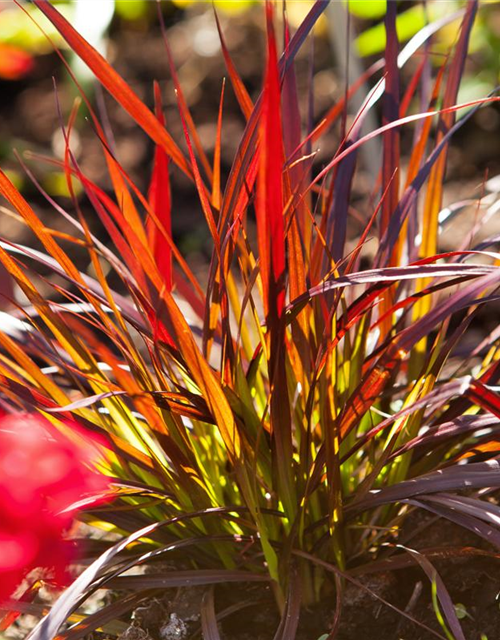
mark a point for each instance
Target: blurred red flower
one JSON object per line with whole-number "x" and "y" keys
{"x": 41, "y": 475}
{"x": 15, "y": 63}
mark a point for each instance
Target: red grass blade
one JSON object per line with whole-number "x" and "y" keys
{"x": 484, "y": 397}
{"x": 160, "y": 202}
{"x": 269, "y": 207}
{"x": 271, "y": 242}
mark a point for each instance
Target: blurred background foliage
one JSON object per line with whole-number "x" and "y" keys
{"x": 127, "y": 33}
{"x": 22, "y": 40}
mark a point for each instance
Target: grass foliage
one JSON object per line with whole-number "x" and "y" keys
{"x": 282, "y": 432}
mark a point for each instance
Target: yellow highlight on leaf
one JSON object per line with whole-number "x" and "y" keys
{"x": 227, "y": 6}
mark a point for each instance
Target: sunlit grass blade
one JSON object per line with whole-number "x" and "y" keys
{"x": 271, "y": 242}
{"x": 160, "y": 201}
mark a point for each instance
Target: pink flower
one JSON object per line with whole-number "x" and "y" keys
{"x": 41, "y": 475}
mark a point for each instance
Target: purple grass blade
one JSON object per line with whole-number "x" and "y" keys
{"x": 390, "y": 113}
{"x": 360, "y": 585}
{"x": 461, "y": 299}
{"x": 209, "y": 626}
{"x": 400, "y": 561}
{"x": 290, "y": 114}
{"x": 457, "y": 428}
{"x": 65, "y": 605}
{"x": 477, "y": 526}
{"x": 438, "y": 397}
{"x": 100, "y": 618}
{"x": 87, "y": 401}
{"x": 409, "y": 198}
{"x": 126, "y": 307}
{"x": 478, "y": 475}
{"x": 290, "y": 620}
{"x": 442, "y": 593}
{"x": 336, "y": 229}
{"x": 480, "y": 509}
{"x": 460, "y": 405}
{"x": 301, "y": 34}
{"x": 394, "y": 274}
{"x": 195, "y": 577}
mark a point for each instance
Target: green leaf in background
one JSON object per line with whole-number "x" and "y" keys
{"x": 367, "y": 9}
{"x": 408, "y": 23}
{"x": 56, "y": 184}
{"x": 473, "y": 88}
{"x": 228, "y": 6}
{"x": 18, "y": 29}
{"x": 16, "y": 178}
{"x": 130, "y": 9}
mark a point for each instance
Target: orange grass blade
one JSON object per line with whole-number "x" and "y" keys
{"x": 242, "y": 96}
{"x": 202, "y": 193}
{"x": 216, "y": 191}
{"x": 181, "y": 101}
{"x": 115, "y": 84}
{"x": 204, "y": 377}
{"x": 433, "y": 199}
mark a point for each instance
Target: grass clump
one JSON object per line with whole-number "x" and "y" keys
{"x": 283, "y": 435}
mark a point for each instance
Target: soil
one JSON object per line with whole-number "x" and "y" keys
{"x": 381, "y": 603}
{"x": 373, "y": 608}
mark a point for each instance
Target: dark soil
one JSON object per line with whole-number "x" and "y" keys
{"x": 384, "y": 605}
